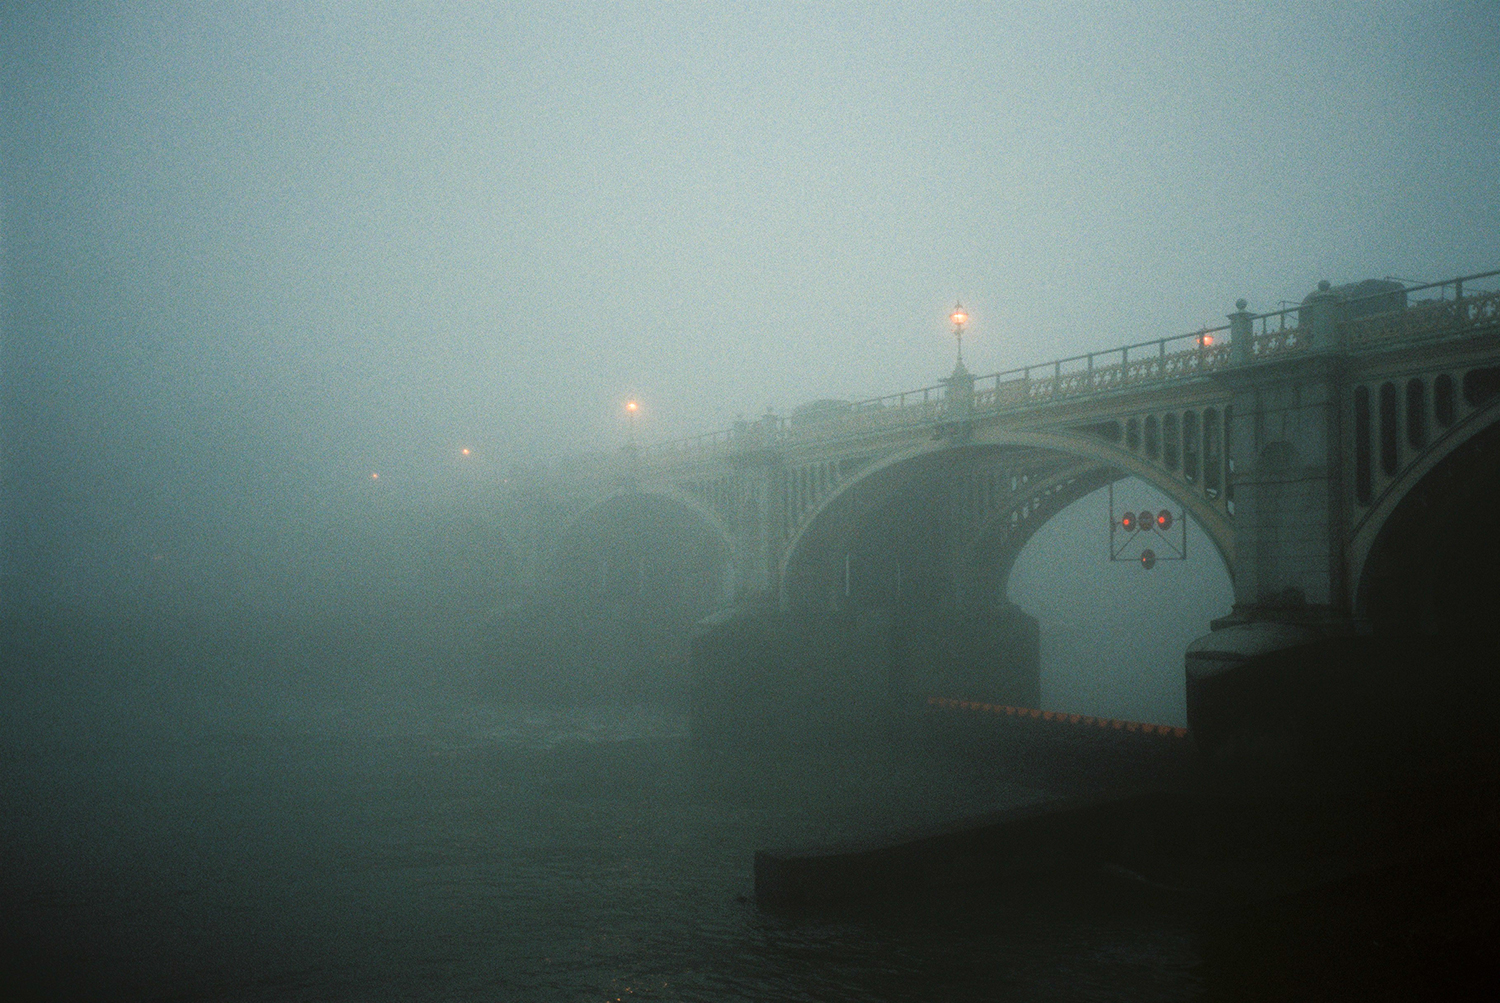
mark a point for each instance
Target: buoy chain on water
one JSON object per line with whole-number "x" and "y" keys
{"x": 1062, "y": 717}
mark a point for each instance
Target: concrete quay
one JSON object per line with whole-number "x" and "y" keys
{"x": 1147, "y": 819}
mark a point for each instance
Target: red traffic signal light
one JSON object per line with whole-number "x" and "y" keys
{"x": 1164, "y": 520}
{"x": 1127, "y": 522}
{"x": 1148, "y": 559}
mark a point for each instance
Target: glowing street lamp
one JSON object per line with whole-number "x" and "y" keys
{"x": 959, "y": 317}
{"x": 632, "y": 408}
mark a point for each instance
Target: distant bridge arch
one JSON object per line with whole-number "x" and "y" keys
{"x": 706, "y": 516}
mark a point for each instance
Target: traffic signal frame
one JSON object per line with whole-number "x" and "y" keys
{"x": 1130, "y": 529}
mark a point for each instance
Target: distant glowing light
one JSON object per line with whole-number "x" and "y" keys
{"x": 465, "y": 450}
{"x": 959, "y": 316}
{"x": 1206, "y": 340}
{"x": 374, "y": 477}
{"x": 631, "y": 406}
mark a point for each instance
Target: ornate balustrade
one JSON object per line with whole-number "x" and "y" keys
{"x": 1278, "y": 342}
{"x": 1425, "y": 319}
{"x": 1154, "y": 362}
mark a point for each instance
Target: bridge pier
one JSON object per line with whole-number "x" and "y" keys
{"x": 760, "y": 673}
{"x": 1285, "y": 480}
{"x": 1339, "y": 454}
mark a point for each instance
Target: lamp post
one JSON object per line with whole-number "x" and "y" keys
{"x": 960, "y": 384}
{"x": 959, "y": 317}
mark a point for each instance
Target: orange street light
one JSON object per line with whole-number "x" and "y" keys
{"x": 959, "y": 317}
{"x": 632, "y": 407}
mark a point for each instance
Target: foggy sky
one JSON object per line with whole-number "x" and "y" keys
{"x": 253, "y": 253}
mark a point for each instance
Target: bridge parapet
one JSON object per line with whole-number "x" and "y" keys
{"x": 1278, "y": 341}
{"x": 1252, "y": 425}
{"x": 1425, "y": 320}
{"x": 1143, "y": 365}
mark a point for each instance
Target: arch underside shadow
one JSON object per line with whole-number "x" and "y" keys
{"x": 543, "y": 524}
{"x": 1210, "y": 512}
{"x": 997, "y": 542}
{"x": 616, "y": 591}
{"x": 655, "y": 526}
{"x": 990, "y": 496}
{"x": 703, "y": 513}
{"x": 942, "y": 527}
{"x": 1429, "y": 559}
{"x": 1413, "y": 487}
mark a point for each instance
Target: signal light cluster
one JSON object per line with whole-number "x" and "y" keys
{"x": 1146, "y": 520}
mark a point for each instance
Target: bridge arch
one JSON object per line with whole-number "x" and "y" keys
{"x": 706, "y": 515}
{"x": 529, "y": 523}
{"x": 669, "y": 519}
{"x": 828, "y": 523}
{"x": 1424, "y": 553}
{"x": 992, "y": 545}
{"x": 1209, "y": 516}
{"x": 1083, "y": 463}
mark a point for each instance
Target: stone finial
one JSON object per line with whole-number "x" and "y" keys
{"x": 1324, "y": 285}
{"x": 1239, "y": 334}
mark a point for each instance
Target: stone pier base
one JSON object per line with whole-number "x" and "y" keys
{"x": 761, "y": 674}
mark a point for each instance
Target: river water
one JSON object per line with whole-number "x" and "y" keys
{"x": 511, "y": 853}
{"x": 506, "y": 853}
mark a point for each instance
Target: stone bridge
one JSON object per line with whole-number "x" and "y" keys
{"x": 1337, "y": 454}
